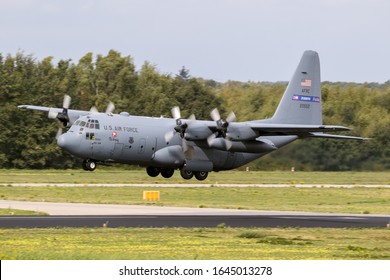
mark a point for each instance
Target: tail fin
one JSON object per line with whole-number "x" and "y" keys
{"x": 301, "y": 102}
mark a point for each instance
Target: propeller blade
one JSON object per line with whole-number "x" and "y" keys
{"x": 110, "y": 108}
{"x": 228, "y": 144}
{"x": 192, "y": 118}
{"x": 184, "y": 145}
{"x": 176, "y": 112}
{"x": 93, "y": 110}
{"x": 231, "y": 117}
{"x": 211, "y": 138}
{"x": 168, "y": 136}
{"x": 214, "y": 114}
{"x": 52, "y": 114}
{"x": 59, "y": 133}
{"x": 66, "y": 102}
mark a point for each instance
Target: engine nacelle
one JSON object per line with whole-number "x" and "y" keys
{"x": 241, "y": 132}
{"x": 245, "y": 147}
{"x": 197, "y": 131}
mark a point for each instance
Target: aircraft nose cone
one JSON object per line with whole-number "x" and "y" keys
{"x": 61, "y": 141}
{"x": 69, "y": 142}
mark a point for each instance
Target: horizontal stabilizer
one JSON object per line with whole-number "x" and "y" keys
{"x": 331, "y": 136}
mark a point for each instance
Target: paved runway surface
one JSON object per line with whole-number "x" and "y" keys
{"x": 96, "y": 215}
{"x": 194, "y": 221}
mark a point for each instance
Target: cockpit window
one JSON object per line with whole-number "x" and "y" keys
{"x": 93, "y": 124}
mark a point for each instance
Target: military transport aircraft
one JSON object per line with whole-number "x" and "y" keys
{"x": 195, "y": 147}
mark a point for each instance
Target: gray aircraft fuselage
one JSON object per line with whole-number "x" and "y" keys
{"x": 140, "y": 140}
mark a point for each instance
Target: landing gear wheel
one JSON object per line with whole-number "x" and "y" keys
{"x": 84, "y": 165}
{"x": 89, "y": 165}
{"x": 186, "y": 174}
{"x": 152, "y": 171}
{"x": 167, "y": 172}
{"x": 201, "y": 175}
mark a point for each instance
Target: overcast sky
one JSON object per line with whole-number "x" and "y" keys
{"x": 256, "y": 40}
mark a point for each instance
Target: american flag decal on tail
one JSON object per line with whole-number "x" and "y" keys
{"x": 306, "y": 83}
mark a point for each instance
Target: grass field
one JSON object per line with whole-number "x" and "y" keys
{"x": 332, "y": 200}
{"x": 329, "y": 200}
{"x": 197, "y": 243}
{"x": 112, "y": 175}
{"x": 201, "y": 243}
{"x": 16, "y": 212}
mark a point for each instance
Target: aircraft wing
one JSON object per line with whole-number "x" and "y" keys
{"x": 247, "y": 131}
{"x": 73, "y": 114}
{"x": 57, "y": 110}
{"x": 38, "y": 108}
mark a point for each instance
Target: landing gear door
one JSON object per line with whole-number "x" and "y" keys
{"x": 117, "y": 151}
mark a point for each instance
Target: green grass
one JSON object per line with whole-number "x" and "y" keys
{"x": 201, "y": 243}
{"x": 17, "y": 212}
{"x": 332, "y": 200}
{"x": 198, "y": 243}
{"x": 328, "y": 200}
{"x": 113, "y": 175}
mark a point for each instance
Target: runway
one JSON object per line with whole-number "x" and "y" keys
{"x": 150, "y": 221}
{"x": 109, "y": 215}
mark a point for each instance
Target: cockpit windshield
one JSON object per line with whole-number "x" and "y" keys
{"x": 91, "y": 124}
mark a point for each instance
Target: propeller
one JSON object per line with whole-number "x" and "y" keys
{"x": 180, "y": 126}
{"x": 222, "y": 125}
{"x": 221, "y": 128}
{"x": 109, "y": 110}
{"x": 62, "y": 116}
{"x": 181, "y": 129}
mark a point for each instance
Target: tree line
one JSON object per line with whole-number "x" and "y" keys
{"x": 27, "y": 139}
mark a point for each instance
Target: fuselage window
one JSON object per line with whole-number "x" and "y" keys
{"x": 82, "y": 123}
{"x": 76, "y": 122}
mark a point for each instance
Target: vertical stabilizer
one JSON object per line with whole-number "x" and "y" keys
{"x": 301, "y": 102}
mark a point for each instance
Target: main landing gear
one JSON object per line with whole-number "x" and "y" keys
{"x": 187, "y": 175}
{"x": 89, "y": 165}
{"x": 165, "y": 172}
{"x": 168, "y": 173}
